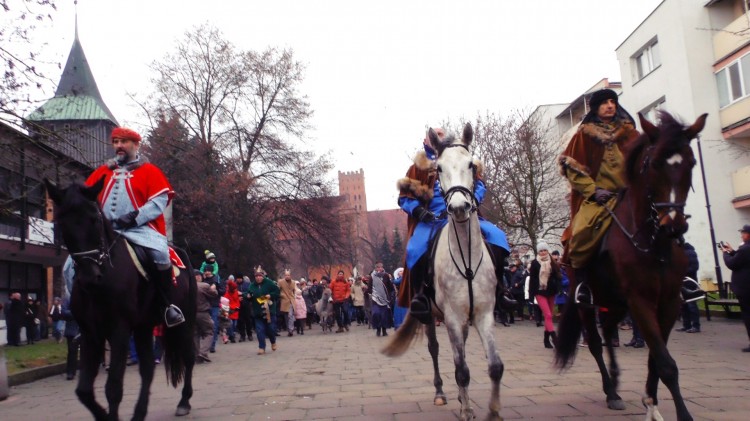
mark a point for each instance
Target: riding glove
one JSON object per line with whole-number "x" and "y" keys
{"x": 127, "y": 221}
{"x": 422, "y": 214}
{"x": 601, "y": 196}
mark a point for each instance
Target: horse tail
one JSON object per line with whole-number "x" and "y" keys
{"x": 179, "y": 350}
{"x": 568, "y": 332}
{"x": 405, "y": 335}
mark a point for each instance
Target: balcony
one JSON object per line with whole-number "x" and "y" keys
{"x": 731, "y": 37}
{"x": 741, "y": 187}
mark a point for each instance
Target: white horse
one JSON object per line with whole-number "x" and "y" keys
{"x": 464, "y": 278}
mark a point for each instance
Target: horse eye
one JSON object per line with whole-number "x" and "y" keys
{"x": 471, "y": 165}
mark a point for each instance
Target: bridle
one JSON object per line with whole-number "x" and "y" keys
{"x": 466, "y": 259}
{"x": 100, "y": 254}
{"x": 657, "y": 209}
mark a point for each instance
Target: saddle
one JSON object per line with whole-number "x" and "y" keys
{"x": 146, "y": 267}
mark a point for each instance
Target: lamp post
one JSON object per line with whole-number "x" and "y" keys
{"x": 717, "y": 268}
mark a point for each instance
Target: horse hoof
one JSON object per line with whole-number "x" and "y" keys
{"x": 493, "y": 416}
{"x": 440, "y": 400}
{"x": 467, "y": 415}
{"x": 616, "y": 404}
{"x": 182, "y": 411}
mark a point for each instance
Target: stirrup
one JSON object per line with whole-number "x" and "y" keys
{"x": 420, "y": 308}
{"x": 508, "y": 303}
{"x": 578, "y": 293}
{"x": 173, "y": 316}
{"x": 691, "y": 290}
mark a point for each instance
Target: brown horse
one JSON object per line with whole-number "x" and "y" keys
{"x": 642, "y": 264}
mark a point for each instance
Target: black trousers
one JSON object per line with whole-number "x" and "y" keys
{"x": 72, "y": 362}
{"x": 245, "y": 322}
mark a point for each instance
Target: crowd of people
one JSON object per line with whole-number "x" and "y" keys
{"x": 230, "y": 310}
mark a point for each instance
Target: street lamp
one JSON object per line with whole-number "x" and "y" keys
{"x": 719, "y": 280}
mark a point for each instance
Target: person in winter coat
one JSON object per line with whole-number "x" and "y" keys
{"x": 264, "y": 294}
{"x": 245, "y": 321}
{"x": 358, "y": 301}
{"x": 300, "y": 311}
{"x": 30, "y": 321}
{"x": 691, "y": 321}
{"x": 544, "y": 283}
{"x": 14, "y": 318}
{"x": 210, "y": 264}
{"x": 738, "y": 261}
{"x": 72, "y": 338}
{"x": 287, "y": 286}
{"x": 233, "y": 296}
{"x": 307, "y": 295}
{"x": 341, "y": 292}
{"x": 211, "y": 279}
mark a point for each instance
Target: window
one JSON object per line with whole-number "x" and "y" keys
{"x": 650, "y": 112}
{"x": 733, "y": 81}
{"x": 646, "y": 60}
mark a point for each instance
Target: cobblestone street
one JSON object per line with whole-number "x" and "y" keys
{"x": 343, "y": 376}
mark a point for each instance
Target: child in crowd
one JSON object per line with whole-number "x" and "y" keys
{"x": 224, "y": 318}
{"x": 300, "y": 311}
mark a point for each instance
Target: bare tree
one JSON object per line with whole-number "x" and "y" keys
{"x": 525, "y": 193}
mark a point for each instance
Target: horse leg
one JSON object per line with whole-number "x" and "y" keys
{"x": 92, "y": 352}
{"x": 118, "y": 354}
{"x": 188, "y": 355}
{"x": 484, "y": 327}
{"x": 144, "y": 346}
{"x": 652, "y": 383}
{"x": 614, "y": 401}
{"x": 458, "y": 333}
{"x": 434, "y": 347}
{"x": 656, "y": 334}
{"x": 609, "y": 329}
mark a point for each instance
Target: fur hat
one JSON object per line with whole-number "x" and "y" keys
{"x": 125, "y": 133}
{"x": 541, "y": 246}
{"x": 598, "y": 97}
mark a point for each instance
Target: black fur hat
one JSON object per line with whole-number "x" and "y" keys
{"x": 600, "y": 96}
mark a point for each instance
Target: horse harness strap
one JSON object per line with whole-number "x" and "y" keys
{"x": 631, "y": 237}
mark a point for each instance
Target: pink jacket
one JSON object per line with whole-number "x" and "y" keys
{"x": 300, "y": 309}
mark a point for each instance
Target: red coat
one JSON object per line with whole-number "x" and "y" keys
{"x": 340, "y": 290}
{"x": 234, "y": 304}
{"x": 146, "y": 181}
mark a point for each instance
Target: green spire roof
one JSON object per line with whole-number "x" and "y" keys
{"x": 77, "y": 96}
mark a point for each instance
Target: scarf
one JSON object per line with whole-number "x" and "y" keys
{"x": 544, "y": 271}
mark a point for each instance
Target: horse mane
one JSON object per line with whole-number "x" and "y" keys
{"x": 74, "y": 199}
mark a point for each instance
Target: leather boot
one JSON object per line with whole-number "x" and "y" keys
{"x": 553, "y": 338}
{"x": 172, "y": 314}
{"x": 547, "y": 344}
{"x": 420, "y": 307}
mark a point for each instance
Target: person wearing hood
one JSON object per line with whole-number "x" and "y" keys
{"x": 234, "y": 306}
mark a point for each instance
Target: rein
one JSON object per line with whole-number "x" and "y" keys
{"x": 467, "y": 272}
{"x": 103, "y": 252}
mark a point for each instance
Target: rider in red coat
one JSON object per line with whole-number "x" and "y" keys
{"x": 134, "y": 197}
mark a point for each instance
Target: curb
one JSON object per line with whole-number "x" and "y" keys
{"x": 35, "y": 374}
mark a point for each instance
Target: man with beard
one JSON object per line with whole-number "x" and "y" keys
{"x": 134, "y": 197}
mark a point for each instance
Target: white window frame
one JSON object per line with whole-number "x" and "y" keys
{"x": 743, "y": 72}
{"x": 648, "y": 55}
{"x": 650, "y": 111}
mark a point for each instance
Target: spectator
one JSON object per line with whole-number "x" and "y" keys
{"x": 340, "y": 293}
{"x": 211, "y": 279}
{"x": 691, "y": 322}
{"x": 287, "y": 286}
{"x": 204, "y": 322}
{"x": 358, "y": 301}
{"x": 30, "y": 321}
{"x": 14, "y": 318}
{"x": 72, "y": 338}
{"x": 544, "y": 284}
{"x": 158, "y": 332}
{"x": 300, "y": 311}
{"x": 399, "y": 313}
{"x": 382, "y": 288}
{"x": 42, "y": 328}
{"x": 738, "y": 261}
{"x": 245, "y": 321}
{"x": 517, "y": 282}
{"x": 562, "y": 296}
{"x": 307, "y": 295}
{"x": 58, "y": 323}
{"x": 233, "y": 296}
{"x": 210, "y": 264}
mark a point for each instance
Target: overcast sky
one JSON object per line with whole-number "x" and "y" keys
{"x": 378, "y": 72}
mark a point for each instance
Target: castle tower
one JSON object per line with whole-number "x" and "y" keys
{"x": 352, "y": 186}
{"x": 76, "y": 121}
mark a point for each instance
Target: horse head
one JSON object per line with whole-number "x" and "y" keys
{"x": 82, "y": 225}
{"x": 456, "y": 172}
{"x": 667, "y": 165}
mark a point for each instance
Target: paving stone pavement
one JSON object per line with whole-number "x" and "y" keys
{"x": 344, "y": 377}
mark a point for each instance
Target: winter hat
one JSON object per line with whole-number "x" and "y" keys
{"x": 209, "y": 255}
{"x": 541, "y": 246}
{"x": 259, "y": 270}
{"x": 598, "y": 97}
{"x": 231, "y": 285}
{"x": 230, "y": 278}
{"x": 197, "y": 272}
{"x": 125, "y": 133}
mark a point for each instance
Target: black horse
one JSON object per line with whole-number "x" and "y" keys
{"x": 110, "y": 301}
{"x": 643, "y": 262}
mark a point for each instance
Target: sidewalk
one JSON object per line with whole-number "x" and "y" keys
{"x": 344, "y": 377}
